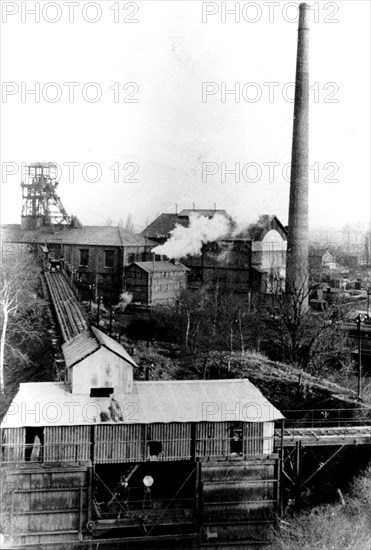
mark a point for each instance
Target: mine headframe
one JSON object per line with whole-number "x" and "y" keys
{"x": 40, "y": 203}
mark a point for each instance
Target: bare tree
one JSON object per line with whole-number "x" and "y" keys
{"x": 19, "y": 274}
{"x": 305, "y": 338}
{"x": 129, "y": 224}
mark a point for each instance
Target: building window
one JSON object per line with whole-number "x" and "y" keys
{"x": 33, "y": 445}
{"x": 84, "y": 256}
{"x": 109, "y": 258}
{"x": 236, "y": 440}
{"x": 107, "y": 279}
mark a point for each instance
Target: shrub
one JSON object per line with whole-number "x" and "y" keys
{"x": 331, "y": 527}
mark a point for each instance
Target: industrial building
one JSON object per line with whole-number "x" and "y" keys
{"x": 100, "y": 457}
{"x": 249, "y": 262}
{"x": 155, "y": 283}
{"x": 95, "y": 257}
{"x": 102, "y": 460}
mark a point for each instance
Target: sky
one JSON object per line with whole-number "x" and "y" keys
{"x": 132, "y": 103}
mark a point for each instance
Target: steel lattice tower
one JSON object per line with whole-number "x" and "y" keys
{"x": 40, "y": 203}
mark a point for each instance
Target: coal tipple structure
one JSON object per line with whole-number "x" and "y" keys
{"x": 100, "y": 459}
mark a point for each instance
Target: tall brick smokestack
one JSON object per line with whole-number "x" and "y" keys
{"x": 297, "y": 242}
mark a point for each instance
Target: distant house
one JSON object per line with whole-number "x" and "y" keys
{"x": 155, "y": 283}
{"x": 94, "y": 256}
{"x": 321, "y": 258}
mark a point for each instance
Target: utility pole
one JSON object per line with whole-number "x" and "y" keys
{"x": 361, "y": 318}
{"x": 91, "y": 290}
{"x": 99, "y": 301}
{"x": 111, "y": 313}
{"x": 358, "y": 321}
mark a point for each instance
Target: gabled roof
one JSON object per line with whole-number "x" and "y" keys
{"x": 79, "y": 347}
{"x": 88, "y": 235}
{"x": 106, "y": 341}
{"x": 160, "y": 401}
{"x": 151, "y": 267}
{"x": 127, "y": 238}
{"x": 256, "y": 231}
{"x": 161, "y": 226}
{"x": 88, "y": 342}
{"x": 320, "y": 252}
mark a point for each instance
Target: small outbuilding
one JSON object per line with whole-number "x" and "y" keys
{"x": 156, "y": 283}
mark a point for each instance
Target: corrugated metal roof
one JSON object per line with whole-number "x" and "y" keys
{"x": 51, "y": 404}
{"x": 151, "y": 267}
{"x": 89, "y": 342}
{"x": 88, "y": 235}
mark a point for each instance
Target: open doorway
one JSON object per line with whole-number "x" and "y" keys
{"x": 150, "y": 497}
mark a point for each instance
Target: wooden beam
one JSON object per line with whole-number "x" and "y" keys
{"x": 322, "y": 466}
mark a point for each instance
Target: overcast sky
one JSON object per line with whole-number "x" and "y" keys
{"x": 150, "y": 61}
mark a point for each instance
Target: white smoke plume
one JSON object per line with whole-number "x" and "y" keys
{"x": 189, "y": 240}
{"x": 125, "y": 299}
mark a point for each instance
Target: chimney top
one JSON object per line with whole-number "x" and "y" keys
{"x": 303, "y": 17}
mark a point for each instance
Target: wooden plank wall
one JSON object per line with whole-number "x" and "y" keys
{"x": 253, "y": 438}
{"x": 129, "y": 442}
{"x": 239, "y": 502}
{"x": 212, "y": 439}
{"x": 175, "y": 439}
{"x": 67, "y": 444}
{"x": 45, "y": 505}
{"x": 116, "y": 443}
{"x": 13, "y": 441}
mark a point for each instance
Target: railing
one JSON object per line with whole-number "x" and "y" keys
{"x": 317, "y": 418}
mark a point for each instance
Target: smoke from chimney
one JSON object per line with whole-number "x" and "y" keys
{"x": 189, "y": 240}
{"x": 297, "y": 242}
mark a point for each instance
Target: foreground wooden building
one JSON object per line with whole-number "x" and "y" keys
{"x": 102, "y": 460}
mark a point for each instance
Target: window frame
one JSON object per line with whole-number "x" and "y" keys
{"x": 84, "y": 251}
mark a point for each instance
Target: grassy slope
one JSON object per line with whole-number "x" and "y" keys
{"x": 342, "y": 526}
{"x": 285, "y": 386}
